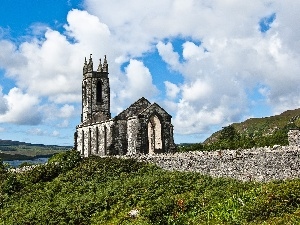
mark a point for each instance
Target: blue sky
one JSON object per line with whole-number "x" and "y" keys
{"x": 208, "y": 63}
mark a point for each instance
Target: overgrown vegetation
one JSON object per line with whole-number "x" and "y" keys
{"x": 71, "y": 190}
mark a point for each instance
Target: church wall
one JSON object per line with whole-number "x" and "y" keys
{"x": 132, "y": 133}
{"x": 120, "y": 137}
{"x": 93, "y": 142}
{"x": 104, "y": 105}
{"x": 168, "y": 137}
{"x": 166, "y": 127}
{"x": 86, "y": 100}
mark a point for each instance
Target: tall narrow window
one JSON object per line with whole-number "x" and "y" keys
{"x": 99, "y": 92}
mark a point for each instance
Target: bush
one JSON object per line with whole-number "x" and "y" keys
{"x": 24, "y": 164}
{"x": 11, "y": 184}
{"x": 67, "y": 160}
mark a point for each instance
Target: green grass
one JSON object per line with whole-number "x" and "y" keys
{"x": 104, "y": 190}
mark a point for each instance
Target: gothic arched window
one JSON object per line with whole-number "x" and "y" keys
{"x": 99, "y": 92}
{"x": 154, "y": 134}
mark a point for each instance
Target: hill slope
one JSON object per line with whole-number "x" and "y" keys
{"x": 267, "y": 126}
{"x": 254, "y": 132}
{"x": 105, "y": 190}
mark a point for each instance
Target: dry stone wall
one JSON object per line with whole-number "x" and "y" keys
{"x": 294, "y": 137}
{"x": 257, "y": 164}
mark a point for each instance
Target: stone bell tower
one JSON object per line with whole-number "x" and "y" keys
{"x": 95, "y": 92}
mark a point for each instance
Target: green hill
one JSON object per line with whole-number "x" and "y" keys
{"x": 105, "y": 190}
{"x": 267, "y": 126}
{"x": 254, "y": 132}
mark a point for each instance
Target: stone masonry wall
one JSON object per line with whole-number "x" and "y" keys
{"x": 294, "y": 137}
{"x": 132, "y": 133}
{"x": 97, "y": 134}
{"x": 259, "y": 164}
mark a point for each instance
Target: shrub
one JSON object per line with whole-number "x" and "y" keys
{"x": 11, "y": 184}
{"x": 67, "y": 160}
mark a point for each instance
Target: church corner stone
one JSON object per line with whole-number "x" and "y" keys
{"x": 142, "y": 128}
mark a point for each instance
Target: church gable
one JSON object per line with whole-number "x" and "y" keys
{"x": 134, "y": 109}
{"x": 155, "y": 109}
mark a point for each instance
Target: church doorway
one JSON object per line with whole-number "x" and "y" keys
{"x": 154, "y": 135}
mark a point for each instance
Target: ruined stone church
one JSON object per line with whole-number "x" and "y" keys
{"x": 142, "y": 128}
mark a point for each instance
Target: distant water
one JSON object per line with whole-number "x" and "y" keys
{"x": 17, "y": 163}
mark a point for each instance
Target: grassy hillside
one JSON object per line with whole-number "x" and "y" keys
{"x": 254, "y": 132}
{"x": 105, "y": 190}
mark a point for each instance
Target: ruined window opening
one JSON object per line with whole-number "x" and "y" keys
{"x": 99, "y": 92}
{"x": 154, "y": 135}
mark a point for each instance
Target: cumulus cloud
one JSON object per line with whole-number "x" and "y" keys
{"x": 3, "y": 103}
{"x": 138, "y": 82}
{"x": 66, "y": 111}
{"x": 223, "y": 58}
{"x": 167, "y": 53}
{"x": 37, "y": 132}
{"x": 55, "y": 133}
{"x": 63, "y": 124}
{"x": 22, "y": 108}
{"x": 172, "y": 89}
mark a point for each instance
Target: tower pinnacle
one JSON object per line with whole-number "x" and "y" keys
{"x": 105, "y": 65}
{"x": 85, "y": 66}
{"x": 90, "y": 65}
{"x": 100, "y": 66}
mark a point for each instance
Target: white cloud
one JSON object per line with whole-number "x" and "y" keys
{"x": 63, "y": 124}
{"x": 66, "y": 111}
{"x": 22, "y": 108}
{"x": 138, "y": 82}
{"x": 55, "y": 133}
{"x": 197, "y": 91}
{"x": 37, "y": 132}
{"x": 172, "y": 89}
{"x": 167, "y": 53}
{"x": 3, "y": 103}
{"x": 224, "y": 56}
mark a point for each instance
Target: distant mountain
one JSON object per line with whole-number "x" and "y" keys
{"x": 9, "y": 145}
{"x": 12, "y": 150}
{"x": 19, "y": 143}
